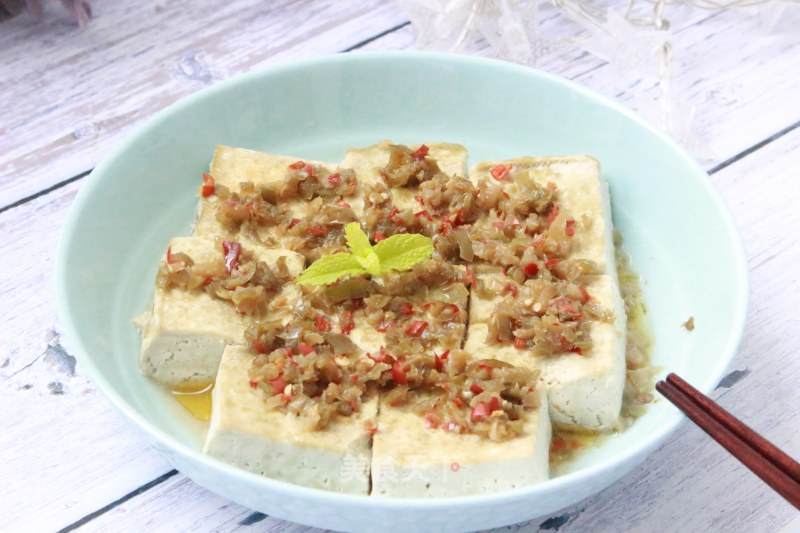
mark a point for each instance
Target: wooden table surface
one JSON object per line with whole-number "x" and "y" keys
{"x": 69, "y": 462}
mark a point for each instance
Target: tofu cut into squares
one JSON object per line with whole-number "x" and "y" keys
{"x": 582, "y": 194}
{"x": 246, "y": 433}
{"x": 186, "y": 331}
{"x": 410, "y": 460}
{"x": 232, "y": 166}
{"x": 368, "y": 162}
{"x": 584, "y": 391}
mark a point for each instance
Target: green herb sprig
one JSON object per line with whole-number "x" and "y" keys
{"x": 398, "y": 252}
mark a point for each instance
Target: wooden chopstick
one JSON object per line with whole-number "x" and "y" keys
{"x": 773, "y": 466}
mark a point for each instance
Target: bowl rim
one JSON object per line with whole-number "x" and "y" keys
{"x": 647, "y": 444}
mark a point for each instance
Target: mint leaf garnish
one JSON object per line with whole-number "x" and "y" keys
{"x": 361, "y": 249}
{"x": 329, "y": 268}
{"x": 399, "y": 252}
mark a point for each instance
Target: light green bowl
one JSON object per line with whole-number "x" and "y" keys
{"x": 679, "y": 234}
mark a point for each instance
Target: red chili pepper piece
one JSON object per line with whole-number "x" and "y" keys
{"x": 553, "y": 214}
{"x": 475, "y": 388}
{"x": 499, "y": 224}
{"x": 458, "y": 402}
{"x": 585, "y": 296}
{"x": 258, "y": 347}
{"x": 347, "y": 322}
{"x": 577, "y": 350}
{"x": 431, "y": 420}
{"x": 305, "y": 349}
{"x": 423, "y": 213}
{"x": 480, "y": 412}
{"x": 531, "y": 269}
{"x": 335, "y": 179}
{"x": 317, "y": 231}
{"x": 437, "y": 362}
{"x": 512, "y": 288}
{"x": 254, "y": 384}
{"x": 406, "y": 309}
{"x": 550, "y": 262}
{"x": 500, "y": 172}
{"x": 520, "y": 344}
{"x": 399, "y": 373}
{"x": 570, "y": 228}
{"x": 420, "y": 153}
{"x": 294, "y": 222}
{"x": 495, "y": 404}
{"x": 455, "y": 309}
{"x": 278, "y": 386}
{"x": 344, "y": 204}
{"x": 169, "y": 254}
{"x": 378, "y": 236}
{"x": 445, "y": 355}
{"x": 382, "y": 357}
{"x": 208, "y": 186}
{"x": 446, "y": 225}
{"x": 420, "y": 199}
{"x": 416, "y": 328}
{"x": 297, "y": 165}
{"x": 232, "y": 250}
{"x": 322, "y": 324}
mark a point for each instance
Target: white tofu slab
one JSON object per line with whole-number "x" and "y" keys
{"x": 583, "y": 390}
{"x": 368, "y": 162}
{"x": 232, "y": 166}
{"x": 410, "y": 460}
{"x": 582, "y": 194}
{"x": 186, "y": 331}
{"x": 245, "y": 433}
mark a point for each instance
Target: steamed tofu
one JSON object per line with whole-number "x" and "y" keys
{"x": 410, "y": 460}
{"x": 368, "y": 162}
{"x": 232, "y": 166}
{"x": 582, "y": 195}
{"x": 583, "y": 390}
{"x": 186, "y": 331}
{"x": 245, "y": 433}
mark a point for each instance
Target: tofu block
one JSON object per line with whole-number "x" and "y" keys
{"x": 186, "y": 331}
{"x": 582, "y": 194}
{"x": 585, "y": 390}
{"x": 410, "y": 460}
{"x": 244, "y": 432}
{"x": 367, "y": 163}
{"x": 231, "y": 166}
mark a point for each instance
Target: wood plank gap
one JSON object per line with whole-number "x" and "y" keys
{"x": 43, "y": 192}
{"x": 744, "y": 153}
{"x": 376, "y": 37}
{"x": 144, "y": 488}
{"x": 67, "y": 181}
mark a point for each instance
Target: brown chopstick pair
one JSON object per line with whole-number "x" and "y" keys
{"x": 774, "y": 467}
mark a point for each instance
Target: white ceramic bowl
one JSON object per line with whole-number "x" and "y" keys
{"x": 680, "y": 235}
